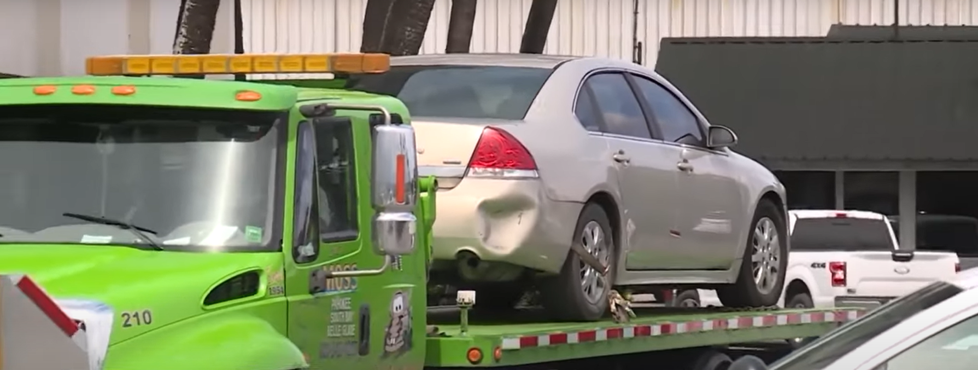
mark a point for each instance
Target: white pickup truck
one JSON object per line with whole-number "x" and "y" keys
{"x": 851, "y": 259}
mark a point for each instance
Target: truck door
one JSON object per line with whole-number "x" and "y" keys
{"x": 347, "y": 322}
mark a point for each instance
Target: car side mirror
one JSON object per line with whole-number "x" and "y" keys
{"x": 394, "y": 189}
{"x": 720, "y": 137}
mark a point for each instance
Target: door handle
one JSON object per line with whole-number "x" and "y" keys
{"x": 684, "y": 166}
{"x": 620, "y": 157}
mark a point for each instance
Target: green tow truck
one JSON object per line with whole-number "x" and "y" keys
{"x": 187, "y": 223}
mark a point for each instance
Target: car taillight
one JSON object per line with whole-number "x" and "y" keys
{"x": 838, "y": 272}
{"x": 841, "y": 215}
{"x": 499, "y": 154}
{"x": 957, "y": 267}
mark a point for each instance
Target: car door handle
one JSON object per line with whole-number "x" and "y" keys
{"x": 620, "y": 157}
{"x": 684, "y": 166}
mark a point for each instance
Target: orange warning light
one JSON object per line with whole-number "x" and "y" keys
{"x": 45, "y": 90}
{"x": 247, "y": 96}
{"x": 83, "y": 90}
{"x": 124, "y": 90}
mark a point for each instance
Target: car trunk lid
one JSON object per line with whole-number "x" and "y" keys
{"x": 445, "y": 145}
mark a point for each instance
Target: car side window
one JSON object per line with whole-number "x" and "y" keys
{"x": 618, "y": 106}
{"x": 585, "y": 110}
{"x": 677, "y": 122}
{"x": 337, "y": 182}
{"x": 955, "y": 348}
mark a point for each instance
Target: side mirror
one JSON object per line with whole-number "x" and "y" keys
{"x": 394, "y": 233}
{"x": 394, "y": 189}
{"x": 748, "y": 362}
{"x": 395, "y": 169}
{"x": 720, "y": 137}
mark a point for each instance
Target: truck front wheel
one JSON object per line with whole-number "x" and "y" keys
{"x": 579, "y": 293}
{"x": 712, "y": 360}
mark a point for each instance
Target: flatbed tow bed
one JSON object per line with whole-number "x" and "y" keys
{"x": 525, "y": 338}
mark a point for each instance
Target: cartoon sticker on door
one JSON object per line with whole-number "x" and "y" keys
{"x": 397, "y": 336}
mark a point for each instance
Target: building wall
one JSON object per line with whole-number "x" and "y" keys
{"x": 589, "y": 27}
{"x": 53, "y": 37}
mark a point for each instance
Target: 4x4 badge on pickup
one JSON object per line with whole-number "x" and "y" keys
{"x": 902, "y": 270}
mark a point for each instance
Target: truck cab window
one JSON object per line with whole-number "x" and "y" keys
{"x": 337, "y": 181}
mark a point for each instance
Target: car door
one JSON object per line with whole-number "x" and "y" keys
{"x": 710, "y": 193}
{"x": 646, "y": 178}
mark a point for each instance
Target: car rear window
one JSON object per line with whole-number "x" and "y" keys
{"x": 458, "y": 91}
{"x": 840, "y": 234}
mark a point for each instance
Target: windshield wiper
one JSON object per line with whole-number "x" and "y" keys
{"x": 139, "y": 232}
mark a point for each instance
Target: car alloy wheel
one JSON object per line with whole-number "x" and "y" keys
{"x": 596, "y": 242}
{"x": 765, "y": 260}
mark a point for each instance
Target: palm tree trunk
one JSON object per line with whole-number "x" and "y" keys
{"x": 375, "y": 25}
{"x": 239, "y": 36}
{"x": 538, "y": 26}
{"x": 411, "y": 18}
{"x": 195, "y": 26}
{"x": 460, "y": 26}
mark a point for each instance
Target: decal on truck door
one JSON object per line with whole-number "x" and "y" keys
{"x": 397, "y": 336}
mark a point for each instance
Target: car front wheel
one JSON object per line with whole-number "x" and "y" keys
{"x": 765, "y": 260}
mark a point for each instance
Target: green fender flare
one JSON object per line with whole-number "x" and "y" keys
{"x": 231, "y": 342}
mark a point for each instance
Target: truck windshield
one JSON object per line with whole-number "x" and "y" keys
{"x": 828, "y": 349}
{"x": 495, "y": 92}
{"x": 841, "y": 234}
{"x": 199, "y": 179}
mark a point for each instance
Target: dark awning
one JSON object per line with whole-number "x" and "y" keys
{"x": 792, "y": 99}
{"x": 904, "y": 33}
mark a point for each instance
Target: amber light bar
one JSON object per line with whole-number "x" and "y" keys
{"x": 142, "y": 65}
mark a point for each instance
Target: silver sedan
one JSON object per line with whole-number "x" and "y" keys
{"x": 546, "y": 161}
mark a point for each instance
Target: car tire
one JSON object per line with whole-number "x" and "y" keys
{"x": 564, "y": 295}
{"x": 746, "y": 291}
{"x": 687, "y": 298}
{"x": 800, "y": 300}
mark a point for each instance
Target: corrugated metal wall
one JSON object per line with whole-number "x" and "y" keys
{"x": 589, "y": 27}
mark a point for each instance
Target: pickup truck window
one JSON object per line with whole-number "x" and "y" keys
{"x": 830, "y": 348}
{"x": 841, "y": 234}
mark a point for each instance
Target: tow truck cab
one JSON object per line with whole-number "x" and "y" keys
{"x": 222, "y": 224}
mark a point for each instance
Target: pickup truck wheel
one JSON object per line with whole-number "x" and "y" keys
{"x": 579, "y": 293}
{"x": 765, "y": 260}
{"x": 800, "y": 300}
{"x": 687, "y": 298}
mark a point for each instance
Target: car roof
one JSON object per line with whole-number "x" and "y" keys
{"x": 484, "y": 59}
{"x": 835, "y": 213}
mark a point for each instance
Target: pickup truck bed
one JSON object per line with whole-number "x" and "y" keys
{"x": 524, "y": 338}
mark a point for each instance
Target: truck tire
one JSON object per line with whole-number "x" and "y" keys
{"x": 766, "y": 241}
{"x": 800, "y": 300}
{"x": 712, "y": 360}
{"x": 687, "y": 298}
{"x": 577, "y": 294}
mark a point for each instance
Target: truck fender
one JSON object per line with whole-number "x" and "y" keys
{"x": 211, "y": 342}
{"x": 798, "y": 270}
